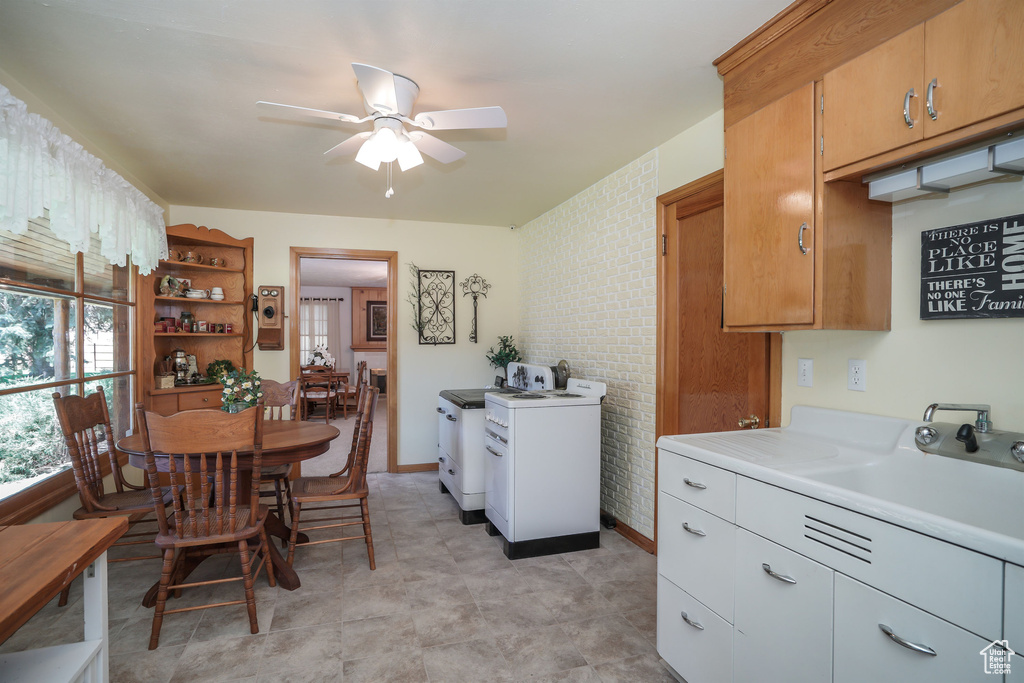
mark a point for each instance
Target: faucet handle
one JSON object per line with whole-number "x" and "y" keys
{"x": 1017, "y": 450}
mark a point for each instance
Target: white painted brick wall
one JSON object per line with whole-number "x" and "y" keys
{"x": 588, "y": 295}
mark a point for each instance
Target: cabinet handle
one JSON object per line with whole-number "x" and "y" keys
{"x": 930, "y": 99}
{"x": 205, "y": 400}
{"x": 800, "y": 238}
{"x": 775, "y": 575}
{"x": 499, "y": 437}
{"x": 451, "y": 418}
{"x": 752, "y": 422}
{"x": 696, "y": 624}
{"x": 440, "y": 410}
{"x": 492, "y": 451}
{"x": 695, "y": 532}
{"x": 440, "y": 459}
{"x": 694, "y": 484}
{"x": 906, "y": 108}
{"x": 451, "y": 472}
{"x": 923, "y": 649}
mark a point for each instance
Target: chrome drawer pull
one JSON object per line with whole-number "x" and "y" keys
{"x": 451, "y": 418}
{"x": 440, "y": 410}
{"x": 497, "y": 436}
{"x": 695, "y": 532}
{"x": 930, "y": 99}
{"x": 696, "y": 624}
{"x": 492, "y": 451}
{"x": 775, "y": 575}
{"x": 906, "y": 108}
{"x": 440, "y": 459}
{"x": 923, "y": 649}
{"x": 451, "y": 472}
{"x": 694, "y": 484}
{"x": 800, "y": 239}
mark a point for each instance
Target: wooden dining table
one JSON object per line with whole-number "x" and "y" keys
{"x": 284, "y": 442}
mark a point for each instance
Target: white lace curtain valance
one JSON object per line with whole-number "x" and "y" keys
{"x": 41, "y": 168}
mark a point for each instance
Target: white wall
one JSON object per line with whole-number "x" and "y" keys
{"x": 423, "y": 371}
{"x": 921, "y": 361}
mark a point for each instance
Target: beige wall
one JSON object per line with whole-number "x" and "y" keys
{"x": 423, "y": 371}
{"x": 920, "y": 362}
{"x": 692, "y": 154}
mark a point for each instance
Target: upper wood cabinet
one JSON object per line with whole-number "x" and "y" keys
{"x": 958, "y": 68}
{"x": 769, "y": 214}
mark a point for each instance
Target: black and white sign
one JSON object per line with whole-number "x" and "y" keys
{"x": 974, "y": 270}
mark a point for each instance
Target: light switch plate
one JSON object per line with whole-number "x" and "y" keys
{"x": 804, "y": 372}
{"x": 856, "y": 378}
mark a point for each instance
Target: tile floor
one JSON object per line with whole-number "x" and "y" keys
{"x": 444, "y": 604}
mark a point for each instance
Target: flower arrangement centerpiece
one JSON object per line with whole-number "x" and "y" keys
{"x": 241, "y": 390}
{"x": 321, "y": 356}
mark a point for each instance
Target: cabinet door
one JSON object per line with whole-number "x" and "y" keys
{"x": 974, "y": 51}
{"x": 783, "y": 621}
{"x": 864, "y": 101}
{"x": 1013, "y": 619}
{"x": 863, "y": 652}
{"x": 769, "y": 204}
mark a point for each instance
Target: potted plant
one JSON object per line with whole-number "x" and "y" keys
{"x": 506, "y": 353}
{"x": 241, "y": 390}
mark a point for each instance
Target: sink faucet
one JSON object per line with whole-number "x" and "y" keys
{"x": 982, "y": 424}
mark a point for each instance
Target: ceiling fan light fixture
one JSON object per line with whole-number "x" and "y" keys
{"x": 408, "y": 155}
{"x": 368, "y": 154}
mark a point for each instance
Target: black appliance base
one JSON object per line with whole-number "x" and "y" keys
{"x": 553, "y": 545}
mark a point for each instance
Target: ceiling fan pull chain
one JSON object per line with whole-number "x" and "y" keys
{"x": 391, "y": 190}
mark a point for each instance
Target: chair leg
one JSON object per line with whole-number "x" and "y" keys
{"x": 250, "y": 596}
{"x": 296, "y": 511}
{"x": 161, "y": 598}
{"x": 277, "y": 494}
{"x": 265, "y": 540}
{"x": 365, "y": 509}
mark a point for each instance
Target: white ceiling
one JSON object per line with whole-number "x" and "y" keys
{"x": 324, "y": 272}
{"x": 168, "y": 88}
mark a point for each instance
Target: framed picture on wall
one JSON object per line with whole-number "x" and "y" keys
{"x": 376, "y": 321}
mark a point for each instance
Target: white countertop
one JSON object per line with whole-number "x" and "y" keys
{"x": 869, "y": 464}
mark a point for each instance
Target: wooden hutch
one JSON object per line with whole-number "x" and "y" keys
{"x": 234, "y": 276}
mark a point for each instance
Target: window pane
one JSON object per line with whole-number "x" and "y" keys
{"x": 106, "y": 339}
{"x": 37, "y": 338}
{"x": 31, "y": 445}
{"x": 37, "y": 257}
{"x": 118, "y": 392}
{"x": 101, "y": 278}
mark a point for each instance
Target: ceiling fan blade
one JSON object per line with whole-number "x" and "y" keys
{"x": 450, "y": 119}
{"x": 378, "y": 88}
{"x": 438, "y": 149}
{"x": 348, "y": 146}
{"x": 319, "y": 113}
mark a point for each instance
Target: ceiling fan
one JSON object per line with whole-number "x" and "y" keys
{"x": 388, "y": 99}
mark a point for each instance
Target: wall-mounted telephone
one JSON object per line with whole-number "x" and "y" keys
{"x": 270, "y": 314}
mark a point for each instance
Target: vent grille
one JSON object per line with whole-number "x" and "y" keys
{"x": 838, "y": 538}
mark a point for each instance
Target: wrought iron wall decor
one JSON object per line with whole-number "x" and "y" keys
{"x": 475, "y": 286}
{"x": 437, "y": 306}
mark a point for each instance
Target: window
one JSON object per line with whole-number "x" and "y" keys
{"x": 65, "y": 326}
{"x": 312, "y": 326}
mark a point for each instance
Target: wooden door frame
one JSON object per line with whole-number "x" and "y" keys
{"x": 389, "y": 257}
{"x": 696, "y": 197}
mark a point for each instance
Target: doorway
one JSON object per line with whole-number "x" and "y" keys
{"x": 369, "y": 278}
{"x": 707, "y": 380}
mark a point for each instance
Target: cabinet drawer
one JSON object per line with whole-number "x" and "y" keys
{"x": 1013, "y": 616}
{"x": 951, "y": 582}
{"x": 702, "y": 560}
{"x": 784, "y": 623}
{"x": 705, "y": 486}
{"x": 199, "y": 399}
{"x": 698, "y": 655}
{"x": 864, "y": 653}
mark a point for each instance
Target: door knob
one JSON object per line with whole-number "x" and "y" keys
{"x": 751, "y": 422}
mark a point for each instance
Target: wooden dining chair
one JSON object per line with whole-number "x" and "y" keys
{"x": 337, "y": 492}
{"x": 349, "y": 391}
{"x": 216, "y": 513}
{"x": 318, "y": 384}
{"x": 85, "y": 423}
{"x": 282, "y": 403}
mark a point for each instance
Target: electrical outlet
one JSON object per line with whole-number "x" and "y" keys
{"x": 857, "y": 375}
{"x": 804, "y": 372}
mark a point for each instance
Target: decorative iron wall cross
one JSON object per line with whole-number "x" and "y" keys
{"x": 476, "y": 286}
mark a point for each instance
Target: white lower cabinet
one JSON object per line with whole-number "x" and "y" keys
{"x": 783, "y": 614}
{"x": 920, "y": 648}
{"x": 695, "y": 641}
{"x": 1013, "y": 619}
